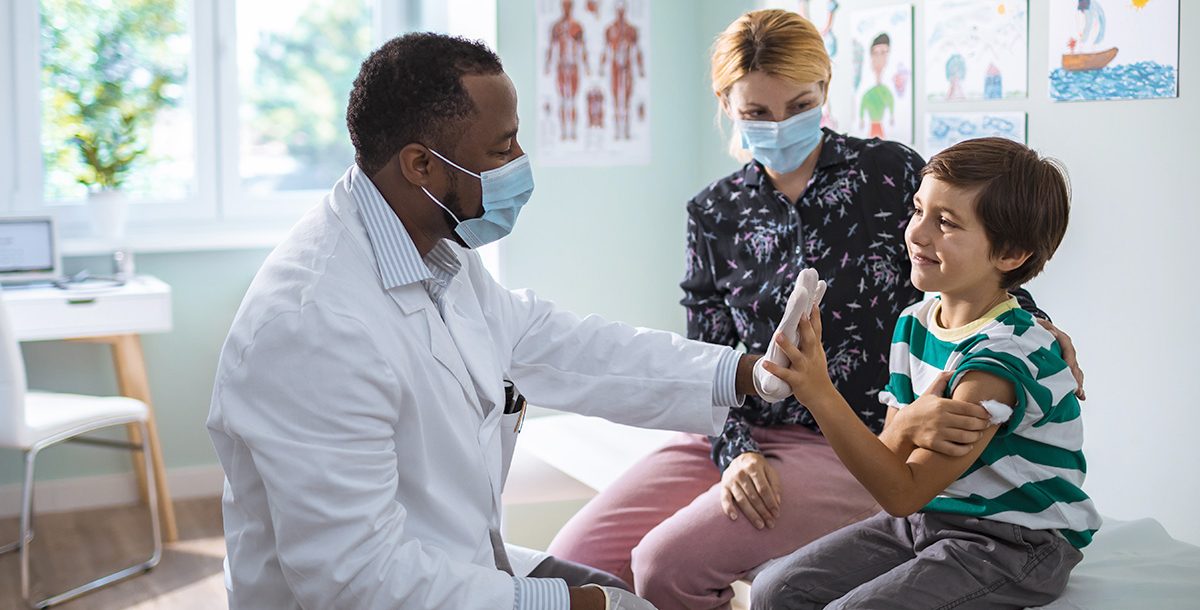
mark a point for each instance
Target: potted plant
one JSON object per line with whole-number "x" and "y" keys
{"x": 108, "y": 72}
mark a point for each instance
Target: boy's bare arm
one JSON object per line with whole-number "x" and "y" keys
{"x": 943, "y": 425}
{"x": 933, "y": 472}
{"x": 899, "y": 443}
{"x": 901, "y": 486}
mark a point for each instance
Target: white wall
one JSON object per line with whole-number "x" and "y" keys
{"x": 610, "y": 240}
{"x": 1122, "y": 283}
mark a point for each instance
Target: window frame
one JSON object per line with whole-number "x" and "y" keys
{"x": 7, "y": 114}
{"x": 25, "y": 52}
{"x": 72, "y": 214}
{"x": 388, "y": 19}
{"x": 217, "y": 206}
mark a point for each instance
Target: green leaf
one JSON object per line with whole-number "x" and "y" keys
{"x": 94, "y": 55}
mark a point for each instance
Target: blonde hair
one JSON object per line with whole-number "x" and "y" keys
{"x": 777, "y": 42}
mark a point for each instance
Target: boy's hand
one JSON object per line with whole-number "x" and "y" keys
{"x": 805, "y": 295}
{"x": 808, "y": 374}
{"x": 942, "y": 425}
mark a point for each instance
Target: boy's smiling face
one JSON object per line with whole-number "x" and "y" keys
{"x": 947, "y": 243}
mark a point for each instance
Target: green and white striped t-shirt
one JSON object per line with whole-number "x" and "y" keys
{"x": 1031, "y": 472}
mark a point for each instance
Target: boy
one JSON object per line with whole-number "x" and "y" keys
{"x": 1000, "y": 527}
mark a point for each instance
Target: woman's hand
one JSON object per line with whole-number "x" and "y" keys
{"x": 942, "y": 425}
{"x": 751, "y": 484}
{"x": 1068, "y": 354}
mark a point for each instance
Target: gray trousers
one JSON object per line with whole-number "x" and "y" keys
{"x": 576, "y": 574}
{"x": 925, "y": 561}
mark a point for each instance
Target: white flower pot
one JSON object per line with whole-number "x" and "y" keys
{"x": 109, "y": 210}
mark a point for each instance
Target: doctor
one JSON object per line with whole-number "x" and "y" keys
{"x": 359, "y": 409}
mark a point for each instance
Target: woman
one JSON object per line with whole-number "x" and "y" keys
{"x": 676, "y": 527}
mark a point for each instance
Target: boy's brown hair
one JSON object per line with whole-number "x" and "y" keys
{"x": 1022, "y": 199}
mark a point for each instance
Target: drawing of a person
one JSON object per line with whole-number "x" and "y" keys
{"x": 878, "y": 100}
{"x": 956, "y": 71}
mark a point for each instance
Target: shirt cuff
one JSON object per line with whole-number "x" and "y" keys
{"x": 725, "y": 380}
{"x": 540, "y": 594}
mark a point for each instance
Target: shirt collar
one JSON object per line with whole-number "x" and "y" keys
{"x": 833, "y": 152}
{"x": 396, "y": 255}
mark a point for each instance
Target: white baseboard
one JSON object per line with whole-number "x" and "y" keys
{"x": 109, "y": 490}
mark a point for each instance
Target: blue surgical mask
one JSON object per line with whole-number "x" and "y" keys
{"x": 782, "y": 146}
{"x": 505, "y": 191}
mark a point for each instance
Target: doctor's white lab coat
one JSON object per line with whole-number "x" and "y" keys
{"x": 363, "y": 435}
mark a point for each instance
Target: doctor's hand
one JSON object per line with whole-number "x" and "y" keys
{"x": 806, "y": 294}
{"x": 616, "y": 599}
{"x": 941, "y": 425}
{"x": 751, "y": 485}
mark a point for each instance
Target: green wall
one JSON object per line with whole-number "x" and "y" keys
{"x": 610, "y": 240}
{"x": 206, "y": 290}
{"x": 715, "y": 160}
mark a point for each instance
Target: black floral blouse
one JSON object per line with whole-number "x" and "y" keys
{"x": 746, "y": 243}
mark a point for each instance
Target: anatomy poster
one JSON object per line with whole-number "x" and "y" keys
{"x": 976, "y": 49}
{"x": 881, "y": 45}
{"x": 945, "y": 129}
{"x": 822, "y": 14}
{"x": 1113, "y": 49}
{"x": 593, "y": 82}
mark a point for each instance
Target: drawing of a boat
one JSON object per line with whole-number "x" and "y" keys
{"x": 1088, "y": 61}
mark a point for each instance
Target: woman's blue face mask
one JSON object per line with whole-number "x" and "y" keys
{"x": 784, "y": 145}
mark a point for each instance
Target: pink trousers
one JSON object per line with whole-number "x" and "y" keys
{"x": 660, "y": 526}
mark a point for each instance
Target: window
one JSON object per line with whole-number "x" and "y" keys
{"x": 116, "y": 108}
{"x": 215, "y": 115}
{"x": 289, "y": 78}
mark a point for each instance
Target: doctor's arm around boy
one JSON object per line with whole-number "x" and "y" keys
{"x": 1002, "y": 525}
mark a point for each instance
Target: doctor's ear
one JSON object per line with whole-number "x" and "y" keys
{"x": 414, "y": 161}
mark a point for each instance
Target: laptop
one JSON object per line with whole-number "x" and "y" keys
{"x": 29, "y": 250}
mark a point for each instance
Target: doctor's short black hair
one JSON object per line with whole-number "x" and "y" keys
{"x": 410, "y": 90}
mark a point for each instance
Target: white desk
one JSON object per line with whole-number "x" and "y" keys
{"x": 114, "y": 316}
{"x": 142, "y": 305}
